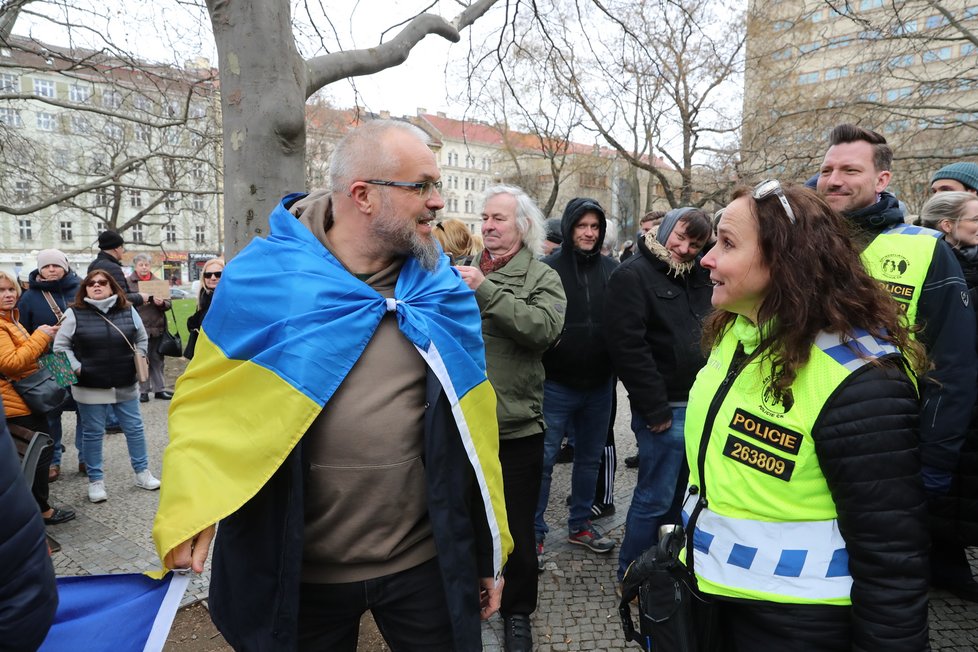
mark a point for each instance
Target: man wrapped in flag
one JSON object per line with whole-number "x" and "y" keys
{"x": 337, "y": 421}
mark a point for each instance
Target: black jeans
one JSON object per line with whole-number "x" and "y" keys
{"x": 409, "y": 608}
{"x": 522, "y": 462}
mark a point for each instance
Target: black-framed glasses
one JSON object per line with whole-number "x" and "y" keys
{"x": 770, "y": 187}
{"x": 212, "y": 274}
{"x": 424, "y": 188}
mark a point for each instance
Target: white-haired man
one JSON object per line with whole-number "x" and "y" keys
{"x": 522, "y": 306}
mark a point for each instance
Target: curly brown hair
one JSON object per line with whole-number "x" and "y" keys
{"x": 818, "y": 283}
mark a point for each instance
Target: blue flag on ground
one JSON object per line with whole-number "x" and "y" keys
{"x": 114, "y": 613}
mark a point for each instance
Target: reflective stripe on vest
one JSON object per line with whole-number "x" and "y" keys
{"x": 770, "y": 530}
{"x": 899, "y": 258}
{"x": 803, "y": 561}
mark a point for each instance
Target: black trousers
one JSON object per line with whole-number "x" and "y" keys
{"x": 522, "y": 463}
{"x": 409, "y": 608}
{"x": 40, "y": 485}
{"x": 604, "y": 493}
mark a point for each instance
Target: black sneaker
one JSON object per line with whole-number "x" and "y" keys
{"x": 602, "y": 510}
{"x": 144, "y": 397}
{"x": 631, "y": 461}
{"x": 519, "y": 636}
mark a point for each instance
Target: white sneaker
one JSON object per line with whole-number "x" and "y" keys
{"x": 96, "y": 491}
{"x": 145, "y": 480}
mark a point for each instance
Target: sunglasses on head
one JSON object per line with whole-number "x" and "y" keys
{"x": 101, "y": 282}
{"x": 212, "y": 275}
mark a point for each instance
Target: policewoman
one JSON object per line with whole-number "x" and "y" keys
{"x": 801, "y": 434}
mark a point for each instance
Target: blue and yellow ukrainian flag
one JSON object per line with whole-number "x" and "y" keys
{"x": 286, "y": 326}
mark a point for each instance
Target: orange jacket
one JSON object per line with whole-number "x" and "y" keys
{"x": 18, "y": 359}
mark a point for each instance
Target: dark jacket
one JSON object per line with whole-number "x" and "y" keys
{"x": 257, "y": 562}
{"x": 653, "y": 323}
{"x": 107, "y": 263}
{"x": 865, "y": 440}
{"x": 195, "y": 321}
{"x": 947, "y": 324}
{"x": 954, "y": 517}
{"x": 34, "y": 308}
{"x": 580, "y": 358}
{"x": 522, "y": 306}
{"x": 28, "y": 593}
{"x": 105, "y": 357}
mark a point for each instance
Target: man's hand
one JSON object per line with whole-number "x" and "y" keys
{"x": 490, "y": 596}
{"x": 472, "y": 276}
{"x": 193, "y": 552}
{"x": 661, "y": 427}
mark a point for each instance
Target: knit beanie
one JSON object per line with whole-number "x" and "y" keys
{"x": 669, "y": 222}
{"x": 966, "y": 173}
{"x": 109, "y": 240}
{"x": 52, "y": 257}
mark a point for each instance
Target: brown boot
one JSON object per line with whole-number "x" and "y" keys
{"x": 54, "y": 472}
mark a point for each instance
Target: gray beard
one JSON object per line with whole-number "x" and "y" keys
{"x": 403, "y": 238}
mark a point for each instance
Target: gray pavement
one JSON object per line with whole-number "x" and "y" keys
{"x": 577, "y": 605}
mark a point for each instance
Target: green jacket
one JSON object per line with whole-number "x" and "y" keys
{"x": 522, "y": 308}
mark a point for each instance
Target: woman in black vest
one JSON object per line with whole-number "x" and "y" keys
{"x": 98, "y": 333}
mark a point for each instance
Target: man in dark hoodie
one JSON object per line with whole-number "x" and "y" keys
{"x": 921, "y": 273}
{"x": 111, "y": 247}
{"x": 579, "y": 382}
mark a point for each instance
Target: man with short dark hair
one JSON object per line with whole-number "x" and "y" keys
{"x": 351, "y": 449}
{"x": 920, "y": 272}
{"x": 109, "y": 259}
{"x": 579, "y": 382}
{"x": 956, "y": 177}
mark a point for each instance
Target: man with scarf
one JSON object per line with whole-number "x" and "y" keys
{"x": 656, "y": 303}
{"x": 522, "y": 306}
{"x": 579, "y": 381}
{"x": 337, "y": 420}
{"x": 923, "y": 276}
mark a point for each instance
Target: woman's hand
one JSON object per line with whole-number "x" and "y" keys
{"x": 50, "y": 331}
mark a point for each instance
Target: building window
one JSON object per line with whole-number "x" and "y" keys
{"x": 113, "y": 131}
{"x": 79, "y": 124}
{"x": 22, "y": 191}
{"x": 79, "y": 94}
{"x": 173, "y": 136}
{"x": 808, "y": 78}
{"x": 895, "y": 94}
{"x": 467, "y": 184}
{"x": 784, "y": 53}
{"x": 142, "y": 103}
{"x": 170, "y": 233}
{"x": 197, "y": 170}
{"x": 593, "y": 180}
{"x": 10, "y": 117}
{"x": 866, "y": 5}
{"x": 933, "y": 22}
{"x": 66, "y": 232}
{"x": 142, "y": 133}
{"x": 908, "y": 27}
{"x": 60, "y": 157}
{"x": 468, "y": 205}
{"x": 136, "y": 198}
{"x": 44, "y": 88}
{"x": 200, "y": 235}
{"x": 836, "y": 73}
{"x": 170, "y": 201}
{"x": 46, "y": 121}
{"x": 102, "y": 197}
{"x": 9, "y": 83}
{"x": 198, "y": 203}
{"x": 137, "y": 232}
{"x": 197, "y": 111}
{"x": 111, "y": 99}
{"x": 781, "y": 25}
{"x": 24, "y": 225}
{"x": 940, "y": 54}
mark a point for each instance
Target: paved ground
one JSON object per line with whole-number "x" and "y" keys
{"x": 577, "y": 602}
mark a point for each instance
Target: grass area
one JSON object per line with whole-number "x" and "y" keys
{"x": 182, "y": 308}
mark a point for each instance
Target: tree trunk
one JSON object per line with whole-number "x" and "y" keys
{"x": 263, "y": 95}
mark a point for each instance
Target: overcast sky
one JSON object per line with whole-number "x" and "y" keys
{"x": 170, "y": 31}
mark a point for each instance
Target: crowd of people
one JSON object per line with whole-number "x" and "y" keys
{"x": 800, "y": 367}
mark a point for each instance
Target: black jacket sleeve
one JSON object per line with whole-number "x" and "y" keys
{"x": 28, "y": 593}
{"x": 866, "y": 442}
{"x": 626, "y": 314}
{"x": 948, "y": 391}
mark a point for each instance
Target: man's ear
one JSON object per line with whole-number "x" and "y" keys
{"x": 360, "y": 194}
{"x": 883, "y": 180}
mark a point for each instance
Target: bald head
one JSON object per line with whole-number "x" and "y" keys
{"x": 372, "y": 151}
